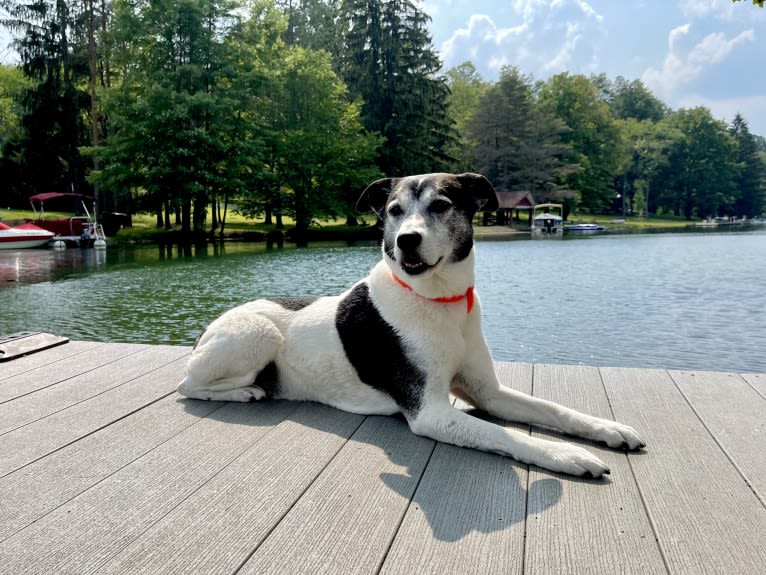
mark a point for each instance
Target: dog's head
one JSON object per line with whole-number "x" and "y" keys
{"x": 427, "y": 218}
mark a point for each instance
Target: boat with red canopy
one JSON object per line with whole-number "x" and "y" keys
{"x": 80, "y": 229}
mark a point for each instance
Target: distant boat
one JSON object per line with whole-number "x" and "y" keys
{"x": 547, "y": 223}
{"x": 587, "y": 228}
{"x": 23, "y": 236}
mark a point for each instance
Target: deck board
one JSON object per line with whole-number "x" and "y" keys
{"x": 104, "y": 469}
{"x": 740, "y": 428}
{"x": 581, "y": 526}
{"x": 705, "y": 516}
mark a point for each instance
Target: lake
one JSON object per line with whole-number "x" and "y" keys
{"x": 674, "y": 301}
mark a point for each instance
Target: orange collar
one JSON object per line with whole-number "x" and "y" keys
{"x": 467, "y": 296}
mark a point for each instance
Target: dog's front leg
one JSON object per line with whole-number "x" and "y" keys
{"x": 443, "y": 422}
{"x": 479, "y": 384}
{"x": 513, "y": 405}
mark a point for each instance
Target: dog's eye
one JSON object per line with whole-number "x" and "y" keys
{"x": 439, "y": 206}
{"x": 395, "y": 210}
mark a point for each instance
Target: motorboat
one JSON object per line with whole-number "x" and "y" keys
{"x": 547, "y": 223}
{"x": 80, "y": 230}
{"x": 584, "y": 228}
{"x": 23, "y": 236}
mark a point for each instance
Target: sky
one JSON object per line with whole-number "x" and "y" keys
{"x": 687, "y": 52}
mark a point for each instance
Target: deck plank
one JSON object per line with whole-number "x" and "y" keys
{"x": 217, "y": 528}
{"x": 80, "y": 536}
{"x": 83, "y": 464}
{"x": 69, "y": 366}
{"x": 740, "y": 428}
{"x": 757, "y": 380}
{"x": 346, "y": 520}
{"x": 469, "y": 511}
{"x": 706, "y": 518}
{"x": 26, "y": 444}
{"x": 585, "y": 526}
{"x": 68, "y": 392}
{"x": 44, "y": 357}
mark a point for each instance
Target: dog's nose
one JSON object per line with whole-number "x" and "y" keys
{"x": 409, "y": 241}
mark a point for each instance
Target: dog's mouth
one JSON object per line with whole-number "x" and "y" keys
{"x": 413, "y": 265}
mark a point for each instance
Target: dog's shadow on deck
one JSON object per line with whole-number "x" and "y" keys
{"x": 462, "y": 490}
{"x": 456, "y": 491}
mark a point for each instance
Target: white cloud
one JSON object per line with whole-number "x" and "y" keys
{"x": 544, "y": 35}
{"x": 680, "y": 68}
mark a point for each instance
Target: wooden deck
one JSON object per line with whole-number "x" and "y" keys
{"x": 104, "y": 469}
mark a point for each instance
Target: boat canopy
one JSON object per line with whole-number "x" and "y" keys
{"x": 52, "y": 195}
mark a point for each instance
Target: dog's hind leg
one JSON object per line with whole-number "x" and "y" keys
{"x": 225, "y": 364}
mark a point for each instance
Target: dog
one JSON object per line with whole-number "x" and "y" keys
{"x": 398, "y": 341}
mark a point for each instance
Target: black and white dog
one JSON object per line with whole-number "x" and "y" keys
{"x": 400, "y": 340}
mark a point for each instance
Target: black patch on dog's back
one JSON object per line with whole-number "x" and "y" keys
{"x": 377, "y": 352}
{"x": 294, "y": 303}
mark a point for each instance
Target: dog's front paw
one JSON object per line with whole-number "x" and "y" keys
{"x": 574, "y": 460}
{"x": 619, "y": 436}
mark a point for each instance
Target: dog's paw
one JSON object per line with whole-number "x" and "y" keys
{"x": 574, "y": 460}
{"x": 241, "y": 394}
{"x": 619, "y": 436}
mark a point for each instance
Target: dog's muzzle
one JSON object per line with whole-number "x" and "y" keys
{"x": 410, "y": 259}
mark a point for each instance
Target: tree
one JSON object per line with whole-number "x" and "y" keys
{"x": 699, "y": 178}
{"x": 751, "y": 172}
{"x": 390, "y": 65}
{"x": 53, "y": 51}
{"x": 593, "y": 133}
{"x": 314, "y": 24}
{"x": 323, "y": 149}
{"x": 466, "y": 89}
{"x": 169, "y": 123}
{"x": 518, "y": 141}
{"x": 634, "y": 100}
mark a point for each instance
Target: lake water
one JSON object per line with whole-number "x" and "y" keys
{"x": 677, "y": 301}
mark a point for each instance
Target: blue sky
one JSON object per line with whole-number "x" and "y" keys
{"x": 687, "y": 52}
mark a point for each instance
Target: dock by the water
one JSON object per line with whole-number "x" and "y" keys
{"x": 105, "y": 469}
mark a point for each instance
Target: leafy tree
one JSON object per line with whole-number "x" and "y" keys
{"x": 751, "y": 172}
{"x": 699, "y": 178}
{"x": 390, "y": 65}
{"x": 168, "y": 120}
{"x": 648, "y": 145}
{"x": 466, "y": 88}
{"x": 634, "y": 100}
{"x": 323, "y": 150}
{"x": 313, "y": 24}
{"x": 518, "y": 141}
{"x": 51, "y": 44}
{"x": 593, "y": 133}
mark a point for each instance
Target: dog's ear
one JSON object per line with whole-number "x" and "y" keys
{"x": 482, "y": 191}
{"x": 375, "y": 196}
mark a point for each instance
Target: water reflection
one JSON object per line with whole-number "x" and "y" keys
{"x": 34, "y": 266}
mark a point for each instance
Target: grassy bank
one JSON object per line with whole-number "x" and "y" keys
{"x": 239, "y": 227}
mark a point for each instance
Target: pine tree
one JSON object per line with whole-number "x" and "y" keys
{"x": 390, "y": 65}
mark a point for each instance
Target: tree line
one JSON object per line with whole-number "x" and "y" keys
{"x": 290, "y": 107}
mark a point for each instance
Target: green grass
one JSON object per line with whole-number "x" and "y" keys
{"x": 632, "y": 223}
{"x": 145, "y": 230}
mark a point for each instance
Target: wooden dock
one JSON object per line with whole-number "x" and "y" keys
{"x": 105, "y": 469}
